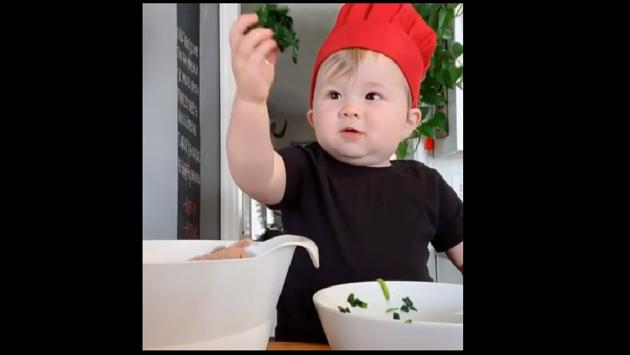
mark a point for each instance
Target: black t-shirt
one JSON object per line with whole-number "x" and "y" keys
{"x": 367, "y": 222}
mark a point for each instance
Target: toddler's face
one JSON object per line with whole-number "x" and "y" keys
{"x": 361, "y": 119}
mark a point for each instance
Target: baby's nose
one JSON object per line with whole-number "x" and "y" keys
{"x": 350, "y": 112}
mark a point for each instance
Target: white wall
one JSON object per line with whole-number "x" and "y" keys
{"x": 159, "y": 121}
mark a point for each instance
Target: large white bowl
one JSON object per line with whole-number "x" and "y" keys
{"x": 437, "y": 325}
{"x": 213, "y": 304}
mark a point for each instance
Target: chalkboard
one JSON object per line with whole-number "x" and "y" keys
{"x": 188, "y": 139}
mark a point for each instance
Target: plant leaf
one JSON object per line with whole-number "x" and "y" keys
{"x": 446, "y": 18}
{"x": 401, "y": 151}
{"x": 427, "y": 130}
{"x": 433, "y": 98}
{"x": 424, "y": 110}
{"x": 447, "y": 33}
{"x": 454, "y": 74}
{"x": 440, "y": 121}
{"x": 426, "y": 9}
{"x": 433, "y": 21}
{"x": 457, "y": 49}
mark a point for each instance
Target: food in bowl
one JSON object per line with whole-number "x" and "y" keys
{"x": 356, "y": 302}
{"x": 237, "y": 250}
{"x": 432, "y": 317}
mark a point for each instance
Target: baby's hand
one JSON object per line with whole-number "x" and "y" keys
{"x": 234, "y": 251}
{"x": 253, "y": 58}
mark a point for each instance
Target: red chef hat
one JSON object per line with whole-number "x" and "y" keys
{"x": 395, "y": 30}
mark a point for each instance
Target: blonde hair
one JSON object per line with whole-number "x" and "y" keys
{"x": 345, "y": 63}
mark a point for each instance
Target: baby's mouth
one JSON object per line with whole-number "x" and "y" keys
{"x": 350, "y": 132}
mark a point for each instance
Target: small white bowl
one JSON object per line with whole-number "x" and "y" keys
{"x": 438, "y": 323}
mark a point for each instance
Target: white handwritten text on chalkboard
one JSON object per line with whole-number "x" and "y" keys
{"x": 187, "y": 62}
{"x": 190, "y": 84}
{"x": 188, "y": 104}
{"x": 188, "y": 129}
{"x": 188, "y": 148}
{"x": 187, "y": 43}
{"x": 187, "y": 173}
{"x": 186, "y": 122}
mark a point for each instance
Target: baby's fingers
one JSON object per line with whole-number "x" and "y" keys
{"x": 237, "y": 32}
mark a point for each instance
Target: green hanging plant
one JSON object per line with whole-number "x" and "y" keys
{"x": 443, "y": 74}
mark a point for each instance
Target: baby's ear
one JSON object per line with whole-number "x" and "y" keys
{"x": 309, "y": 118}
{"x": 414, "y": 117}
